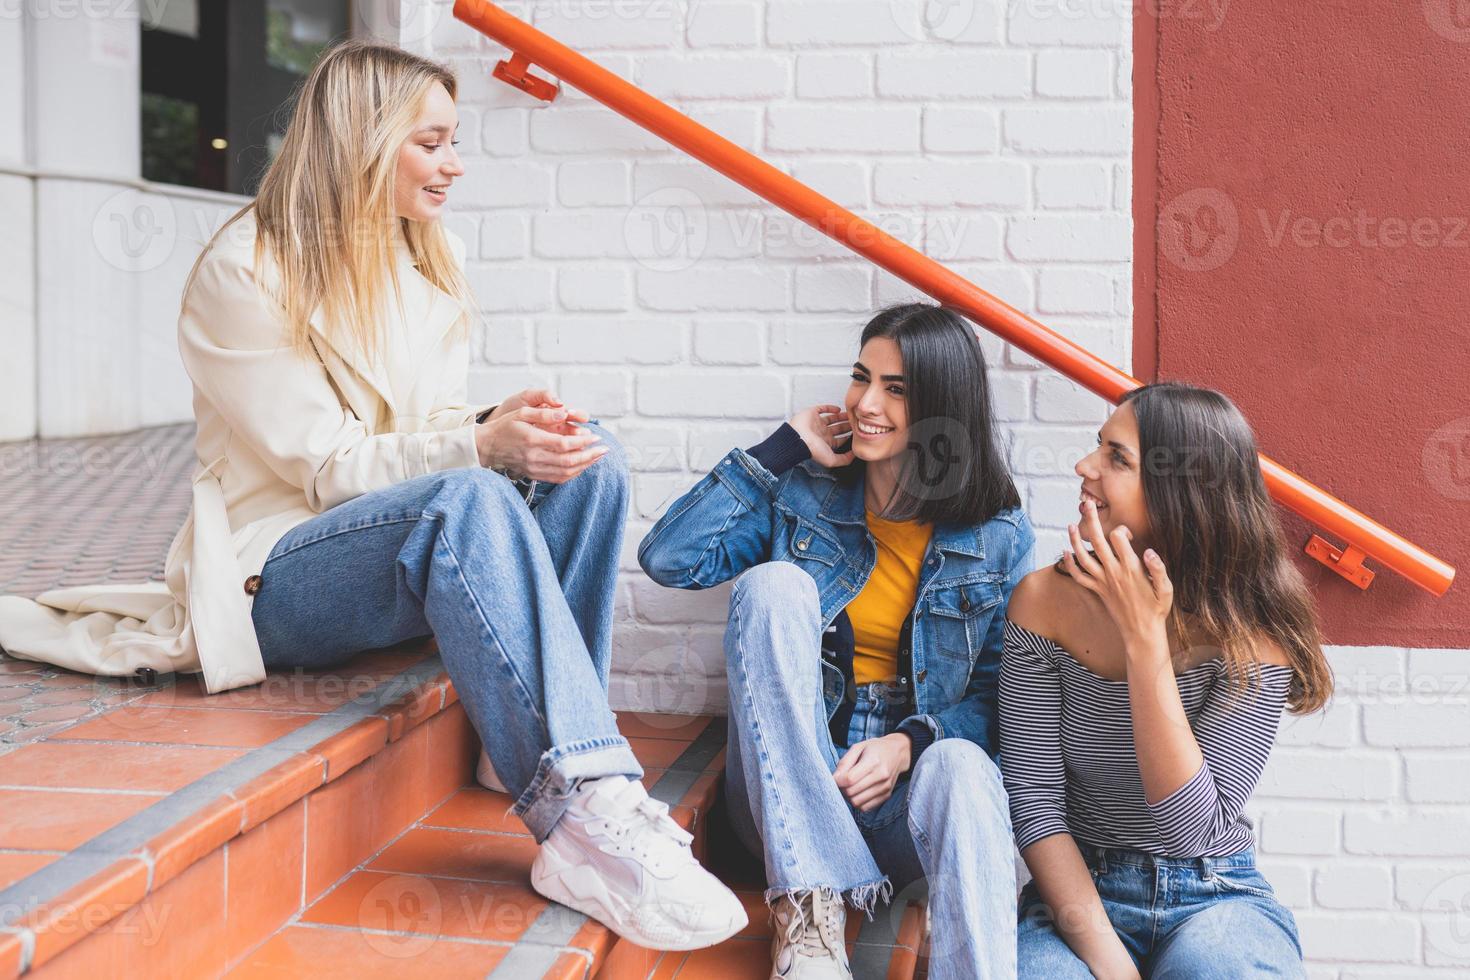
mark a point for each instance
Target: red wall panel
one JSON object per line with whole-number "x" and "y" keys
{"x": 1302, "y": 196}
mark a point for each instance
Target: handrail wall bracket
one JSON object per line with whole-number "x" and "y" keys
{"x": 515, "y": 73}
{"x": 1347, "y": 562}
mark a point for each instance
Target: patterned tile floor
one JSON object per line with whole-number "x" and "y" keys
{"x": 100, "y": 509}
{"x": 74, "y": 512}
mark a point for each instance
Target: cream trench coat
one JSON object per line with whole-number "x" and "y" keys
{"x": 279, "y": 441}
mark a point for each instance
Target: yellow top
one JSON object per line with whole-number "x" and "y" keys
{"x": 879, "y": 610}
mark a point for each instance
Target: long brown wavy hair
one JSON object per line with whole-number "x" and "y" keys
{"x": 1216, "y": 528}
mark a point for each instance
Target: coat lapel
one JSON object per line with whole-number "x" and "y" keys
{"x": 428, "y": 312}
{"x": 372, "y": 374}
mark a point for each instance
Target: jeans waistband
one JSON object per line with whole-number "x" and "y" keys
{"x": 1102, "y": 857}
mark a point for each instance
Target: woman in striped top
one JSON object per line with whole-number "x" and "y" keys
{"x": 1142, "y": 682}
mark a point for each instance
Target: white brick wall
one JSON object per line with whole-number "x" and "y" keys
{"x": 1363, "y": 815}
{"x": 671, "y": 302}
{"x": 691, "y": 317}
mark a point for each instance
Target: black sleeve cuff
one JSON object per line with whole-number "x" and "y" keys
{"x": 921, "y": 736}
{"x": 781, "y": 450}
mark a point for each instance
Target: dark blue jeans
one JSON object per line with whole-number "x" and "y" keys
{"x": 1179, "y": 918}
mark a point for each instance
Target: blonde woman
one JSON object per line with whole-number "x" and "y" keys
{"x": 362, "y": 502}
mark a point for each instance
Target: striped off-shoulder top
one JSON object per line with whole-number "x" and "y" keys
{"x": 1068, "y": 758}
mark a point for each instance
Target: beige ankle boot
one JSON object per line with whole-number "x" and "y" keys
{"x": 809, "y": 941}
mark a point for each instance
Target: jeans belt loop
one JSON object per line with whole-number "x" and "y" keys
{"x": 1102, "y": 860}
{"x": 1207, "y": 868}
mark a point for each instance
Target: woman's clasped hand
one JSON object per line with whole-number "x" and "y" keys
{"x": 532, "y": 434}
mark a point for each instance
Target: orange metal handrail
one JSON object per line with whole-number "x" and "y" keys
{"x": 530, "y": 46}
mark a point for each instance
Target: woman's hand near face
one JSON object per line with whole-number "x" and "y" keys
{"x": 820, "y": 427}
{"x": 532, "y": 434}
{"x": 869, "y": 770}
{"x": 1136, "y": 592}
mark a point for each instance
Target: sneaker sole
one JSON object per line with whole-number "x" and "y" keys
{"x": 580, "y": 888}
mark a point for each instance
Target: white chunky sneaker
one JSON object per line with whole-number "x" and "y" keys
{"x": 810, "y": 941}
{"x": 617, "y": 856}
{"x": 486, "y": 776}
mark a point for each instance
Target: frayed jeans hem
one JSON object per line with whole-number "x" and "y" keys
{"x": 861, "y": 897}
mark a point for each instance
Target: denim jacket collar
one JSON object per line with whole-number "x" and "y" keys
{"x": 844, "y": 505}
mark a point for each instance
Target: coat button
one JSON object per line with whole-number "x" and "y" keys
{"x": 252, "y": 585}
{"x": 923, "y": 674}
{"x": 801, "y": 545}
{"x": 964, "y": 605}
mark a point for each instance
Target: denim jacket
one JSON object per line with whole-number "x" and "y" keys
{"x": 773, "y": 502}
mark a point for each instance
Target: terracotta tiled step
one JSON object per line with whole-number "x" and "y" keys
{"x": 450, "y": 895}
{"x": 176, "y": 832}
{"x": 318, "y": 825}
{"x": 117, "y": 831}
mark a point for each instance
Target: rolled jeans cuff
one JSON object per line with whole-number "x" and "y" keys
{"x": 560, "y": 770}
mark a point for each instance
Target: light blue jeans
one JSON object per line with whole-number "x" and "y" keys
{"x": 518, "y": 592}
{"x": 1179, "y": 918}
{"x": 945, "y": 832}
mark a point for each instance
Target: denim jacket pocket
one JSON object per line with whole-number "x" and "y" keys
{"x": 958, "y": 613}
{"x": 807, "y": 542}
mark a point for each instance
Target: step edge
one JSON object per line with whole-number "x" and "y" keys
{"x": 398, "y": 711}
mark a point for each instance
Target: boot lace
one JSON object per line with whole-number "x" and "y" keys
{"x": 811, "y": 932}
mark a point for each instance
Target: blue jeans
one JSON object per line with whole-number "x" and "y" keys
{"x": 518, "y": 592}
{"x": 945, "y": 831}
{"x": 1179, "y": 918}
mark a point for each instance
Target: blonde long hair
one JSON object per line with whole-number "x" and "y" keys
{"x": 325, "y": 208}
